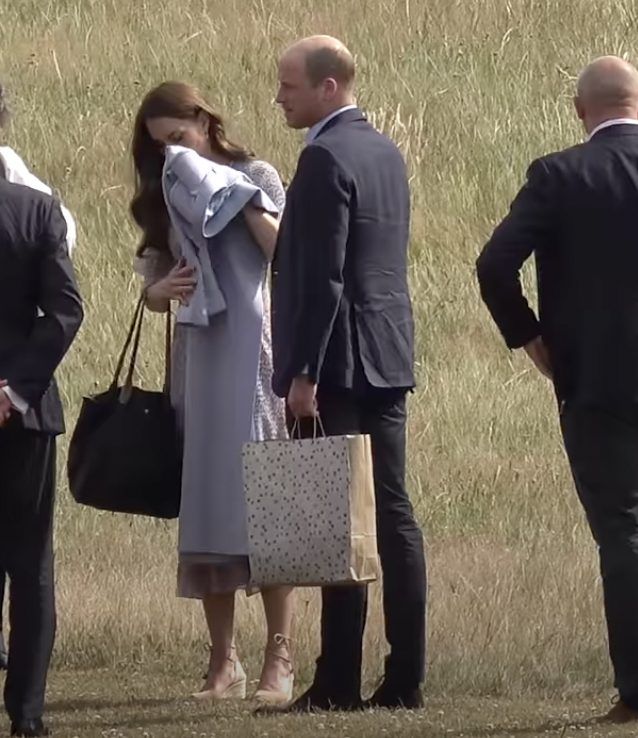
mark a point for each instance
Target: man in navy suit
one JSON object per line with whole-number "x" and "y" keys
{"x": 577, "y": 213}
{"x": 40, "y": 313}
{"x": 343, "y": 337}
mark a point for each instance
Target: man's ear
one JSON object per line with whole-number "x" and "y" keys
{"x": 580, "y": 109}
{"x": 330, "y": 88}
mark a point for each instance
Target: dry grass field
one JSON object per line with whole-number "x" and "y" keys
{"x": 472, "y": 90}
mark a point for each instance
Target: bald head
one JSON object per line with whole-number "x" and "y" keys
{"x": 316, "y": 77}
{"x": 607, "y": 89}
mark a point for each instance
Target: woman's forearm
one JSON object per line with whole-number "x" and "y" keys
{"x": 264, "y": 228}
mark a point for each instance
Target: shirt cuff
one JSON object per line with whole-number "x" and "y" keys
{"x": 18, "y": 402}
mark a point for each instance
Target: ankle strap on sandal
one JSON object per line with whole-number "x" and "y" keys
{"x": 280, "y": 641}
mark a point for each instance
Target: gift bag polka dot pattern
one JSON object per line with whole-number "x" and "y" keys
{"x": 297, "y": 495}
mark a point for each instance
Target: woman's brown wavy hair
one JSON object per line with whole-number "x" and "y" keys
{"x": 168, "y": 100}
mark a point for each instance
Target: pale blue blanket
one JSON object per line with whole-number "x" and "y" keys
{"x": 202, "y": 198}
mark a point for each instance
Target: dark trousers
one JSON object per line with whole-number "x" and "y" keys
{"x": 382, "y": 415}
{"x": 27, "y": 482}
{"x": 602, "y": 447}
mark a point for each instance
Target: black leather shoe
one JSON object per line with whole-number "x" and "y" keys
{"x": 30, "y": 728}
{"x": 620, "y": 713}
{"x": 389, "y": 697}
{"x": 4, "y": 656}
{"x": 314, "y": 700}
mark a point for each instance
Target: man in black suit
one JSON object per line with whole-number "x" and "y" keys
{"x": 40, "y": 313}
{"x": 343, "y": 347}
{"x": 578, "y": 213}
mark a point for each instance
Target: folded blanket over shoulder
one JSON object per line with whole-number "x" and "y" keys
{"x": 202, "y": 198}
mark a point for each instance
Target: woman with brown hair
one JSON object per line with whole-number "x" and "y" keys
{"x": 213, "y": 540}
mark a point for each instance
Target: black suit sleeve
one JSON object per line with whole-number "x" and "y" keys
{"x": 320, "y": 233}
{"x": 528, "y": 225}
{"x": 32, "y": 367}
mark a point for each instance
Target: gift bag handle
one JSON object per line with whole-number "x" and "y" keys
{"x": 296, "y": 429}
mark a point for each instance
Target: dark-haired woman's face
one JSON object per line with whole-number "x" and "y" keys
{"x": 191, "y": 133}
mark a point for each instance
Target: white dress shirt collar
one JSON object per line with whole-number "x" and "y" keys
{"x": 318, "y": 127}
{"x": 613, "y": 122}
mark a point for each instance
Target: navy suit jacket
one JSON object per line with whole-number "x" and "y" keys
{"x": 578, "y": 214}
{"x": 341, "y": 306}
{"x": 36, "y": 273}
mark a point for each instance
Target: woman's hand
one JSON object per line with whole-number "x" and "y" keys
{"x": 179, "y": 284}
{"x": 264, "y": 228}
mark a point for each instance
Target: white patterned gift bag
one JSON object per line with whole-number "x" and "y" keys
{"x": 311, "y": 511}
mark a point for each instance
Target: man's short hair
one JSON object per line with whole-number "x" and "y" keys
{"x": 330, "y": 63}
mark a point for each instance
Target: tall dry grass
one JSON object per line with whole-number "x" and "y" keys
{"x": 472, "y": 91}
